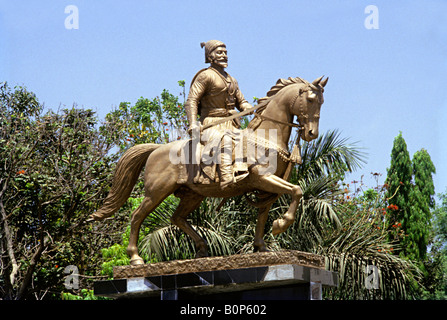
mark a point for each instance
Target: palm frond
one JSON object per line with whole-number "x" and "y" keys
{"x": 164, "y": 241}
{"x": 359, "y": 243}
{"x": 328, "y": 155}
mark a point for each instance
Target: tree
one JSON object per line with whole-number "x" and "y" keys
{"x": 361, "y": 244}
{"x": 55, "y": 169}
{"x": 399, "y": 183}
{"x": 410, "y": 198}
{"x": 422, "y": 201}
{"x": 17, "y": 142}
{"x": 159, "y": 120}
{"x": 435, "y": 265}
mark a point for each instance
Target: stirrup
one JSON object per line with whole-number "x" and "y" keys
{"x": 226, "y": 183}
{"x": 240, "y": 177}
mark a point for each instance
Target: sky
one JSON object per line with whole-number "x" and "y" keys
{"x": 386, "y": 67}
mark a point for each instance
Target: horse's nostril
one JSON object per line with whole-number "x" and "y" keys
{"x": 312, "y": 134}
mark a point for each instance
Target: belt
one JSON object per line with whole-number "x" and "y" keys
{"x": 218, "y": 112}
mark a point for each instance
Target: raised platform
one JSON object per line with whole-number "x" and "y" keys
{"x": 265, "y": 276}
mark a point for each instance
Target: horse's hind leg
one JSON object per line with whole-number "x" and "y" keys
{"x": 189, "y": 201}
{"x": 148, "y": 205}
{"x": 259, "y": 244}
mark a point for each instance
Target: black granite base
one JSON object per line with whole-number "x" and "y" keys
{"x": 277, "y": 282}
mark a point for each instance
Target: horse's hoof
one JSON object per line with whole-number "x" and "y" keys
{"x": 279, "y": 226}
{"x": 260, "y": 249}
{"x": 275, "y": 228}
{"x": 136, "y": 261}
{"x": 201, "y": 254}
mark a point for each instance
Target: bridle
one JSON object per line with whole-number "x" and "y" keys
{"x": 300, "y": 115}
{"x": 293, "y": 125}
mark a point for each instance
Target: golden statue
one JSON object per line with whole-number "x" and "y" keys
{"x": 214, "y": 94}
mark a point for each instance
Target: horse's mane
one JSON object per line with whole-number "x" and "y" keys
{"x": 263, "y": 102}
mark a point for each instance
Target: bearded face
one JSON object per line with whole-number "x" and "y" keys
{"x": 219, "y": 57}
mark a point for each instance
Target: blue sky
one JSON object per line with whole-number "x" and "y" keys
{"x": 382, "y": 81}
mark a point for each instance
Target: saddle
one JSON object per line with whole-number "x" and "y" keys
{"x": 200, "y": 162}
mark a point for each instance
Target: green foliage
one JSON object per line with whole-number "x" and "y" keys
{"x": 159, "y": 120}
{"x": 362, "y": 240}
{"x": 55, "y": 170}
{"x": 435, "y": 277}
{"x": 410, "y": 199}
{"x": 421, "y": 201}
{"x": 116, "y": 255}
{"x": 399, "y": 177}
{"x": 440, "y": 221}
{"x": 423, "y": 169}
{"x": 409, "y": 216}
{"x": 329, "y": 155}
{"x": 85, "y": 294}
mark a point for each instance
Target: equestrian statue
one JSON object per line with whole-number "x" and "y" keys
{"x": 221, "y": 159}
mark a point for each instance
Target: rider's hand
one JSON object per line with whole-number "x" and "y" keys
{"x": 194, "y": 126}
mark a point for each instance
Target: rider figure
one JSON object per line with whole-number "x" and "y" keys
{"x": 214, "y": 95}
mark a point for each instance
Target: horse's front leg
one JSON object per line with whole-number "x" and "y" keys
{"x": 274, "y": 184}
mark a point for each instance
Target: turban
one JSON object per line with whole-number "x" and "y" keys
{"x": 210, "y": 46}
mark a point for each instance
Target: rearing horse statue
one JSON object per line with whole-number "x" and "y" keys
{"x": 288, "y": 98}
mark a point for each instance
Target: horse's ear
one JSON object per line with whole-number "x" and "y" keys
{"x": 324, "y": 82}
{"x": 317, "y": 81}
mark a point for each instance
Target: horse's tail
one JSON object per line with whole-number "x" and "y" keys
{"x": 127, "y": 171}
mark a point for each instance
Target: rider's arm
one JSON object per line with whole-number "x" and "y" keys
{"x": 196, "y": 92}
{"x": 241, "y": 104}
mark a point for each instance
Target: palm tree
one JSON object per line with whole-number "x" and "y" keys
{"x": 164, "y": 241}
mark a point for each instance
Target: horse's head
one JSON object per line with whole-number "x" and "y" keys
{"x": 307, "y": 107}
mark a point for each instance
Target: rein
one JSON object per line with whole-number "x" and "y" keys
{"x": 263, "y": 117}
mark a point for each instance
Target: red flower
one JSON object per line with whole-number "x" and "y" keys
{"x": 20, "y": 172}
{"x": 393, "y": 207}
{"x": 165, "y": 123}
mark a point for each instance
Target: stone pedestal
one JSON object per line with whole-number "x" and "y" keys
{"x": 256, "y": 276}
